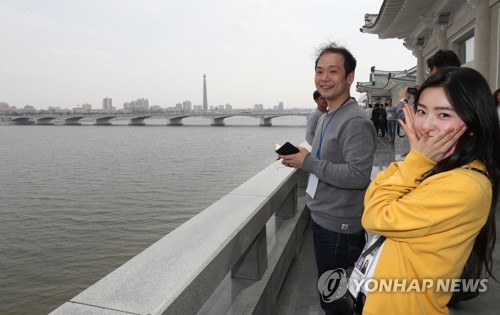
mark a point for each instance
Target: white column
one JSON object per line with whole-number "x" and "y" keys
{"x": 441, "y": 37}
{"x": 421, "y": 66}
{"x": 481, "y": 38}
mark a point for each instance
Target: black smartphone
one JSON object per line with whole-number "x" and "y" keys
{"x": 287, "y": 149}
{"x": 412, "y": 90}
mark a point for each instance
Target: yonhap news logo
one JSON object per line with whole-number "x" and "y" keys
{"x": 332, "y": 285}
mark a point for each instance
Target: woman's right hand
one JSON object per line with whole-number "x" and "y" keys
{"x": 407, "y": 124}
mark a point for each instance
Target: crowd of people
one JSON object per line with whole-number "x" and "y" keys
{"x": 434, "y": 211}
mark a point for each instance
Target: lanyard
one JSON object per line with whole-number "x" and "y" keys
{"x": 318, "y": 154}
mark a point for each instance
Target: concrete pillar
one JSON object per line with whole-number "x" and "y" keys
{"x": 253, "y": 263}
{"x": 482, "y": 38}
{"x": 73, "y": 121}
{"x": 45, "y": 121}
{"x": 288, "y": 208}
{"x": 494, "y": 79}
{"x": 138, "y": 121}
{"x": 265, "y": 121}
{"x": 176, "y": 121}
{"x": 104, "y": 121}
{"x": 441, "y": 37}
{"x": 217, "y": 121}
{"x": 421, "y": 65}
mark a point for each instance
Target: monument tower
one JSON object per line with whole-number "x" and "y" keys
{"x": 205, "y": 101}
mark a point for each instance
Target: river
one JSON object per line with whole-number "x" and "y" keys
{"x": 76, "y": 202}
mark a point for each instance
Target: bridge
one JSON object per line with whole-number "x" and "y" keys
{"x": 172, "y": 119}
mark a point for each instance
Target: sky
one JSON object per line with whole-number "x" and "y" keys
{"x": 66, "y": 53}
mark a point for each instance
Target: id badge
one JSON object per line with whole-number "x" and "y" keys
{"x": 312, "y": 185}
{"x": 364, "y": 268}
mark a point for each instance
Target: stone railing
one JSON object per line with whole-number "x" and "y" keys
{"x": 231, "y": 258}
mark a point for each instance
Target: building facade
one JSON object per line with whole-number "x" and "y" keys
{"x": 471, "y": 28}
{"x": 138, "y": 106}
{"x": 187, "y": 106}
{"x": 107, "y": 104}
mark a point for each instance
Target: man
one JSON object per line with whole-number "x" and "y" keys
{"x": 442, "y": 58}
{"x": 369, "y": 111}
{"x": 339, "y": 164}
{"x": 312, "y": 119}
{"x": 376, "y": 118}
{"x": 391, "y": 121}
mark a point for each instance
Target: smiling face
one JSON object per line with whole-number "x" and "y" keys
{"x": 330, "y": 78}
{"x": 435, "y": 113}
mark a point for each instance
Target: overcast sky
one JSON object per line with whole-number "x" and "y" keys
{"x": 67, "y": 52}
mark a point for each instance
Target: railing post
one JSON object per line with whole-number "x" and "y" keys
{"x": 253, "y": 263}
{"x": 288, "y": 207}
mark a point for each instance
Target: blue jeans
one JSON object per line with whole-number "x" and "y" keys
{"x": 335, "y": 250}
{"x": 391, "y": 129}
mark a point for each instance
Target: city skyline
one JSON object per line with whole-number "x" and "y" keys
{"x": 254, "y": 51}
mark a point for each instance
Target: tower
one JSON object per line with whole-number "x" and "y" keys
{"x": 205, "y": 101}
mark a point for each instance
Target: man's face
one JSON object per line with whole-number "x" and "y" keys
{"x": 389, "y": 102}
{"x": 321, "y": 102}
{"x": 330, "y": 77}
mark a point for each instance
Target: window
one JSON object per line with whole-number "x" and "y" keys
{"x": 466, "y": 48}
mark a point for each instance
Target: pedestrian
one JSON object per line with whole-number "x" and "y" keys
{"x": 312, "y": 118}
{"x": 339, "y": 166}
{"x": 376, "y": 119}
{"x": 437, "y": 207}
{"x": 369, "y": 111}
{"x": 391, "y": 121}
{"x": 383, "y": 119}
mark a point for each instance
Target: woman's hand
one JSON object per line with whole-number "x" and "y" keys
{"x": 442, "y": 145}
{"x": 294, "y": 160}
{"x": 407, "y": 124}
{"x": 435, "y": 148}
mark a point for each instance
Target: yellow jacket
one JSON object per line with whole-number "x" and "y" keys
{"x": 430, "y": 228}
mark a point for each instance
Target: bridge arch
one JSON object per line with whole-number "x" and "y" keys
{"x": 22, "y": 121}
{"x": 104, "y": 121}
{"x": 73, "y": 121}
{"x": 138, "y": 121}
{"x": 176, "y": 120}
{"x": 45, "y": 121}
{"x": 218, "y": 120}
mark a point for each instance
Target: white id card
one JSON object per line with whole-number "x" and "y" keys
{"x": 312, "y": 185}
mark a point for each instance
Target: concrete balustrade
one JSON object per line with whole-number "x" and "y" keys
{"x": 231, "y": 258}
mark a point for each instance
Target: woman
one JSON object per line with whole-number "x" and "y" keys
{"x": 436, "y": 208}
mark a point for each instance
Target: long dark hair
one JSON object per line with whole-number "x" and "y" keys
{"x": 470, "y": 96}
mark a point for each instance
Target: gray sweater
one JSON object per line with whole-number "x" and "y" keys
{"x": 311, "y": 124}
{"x": 344, "y": 170}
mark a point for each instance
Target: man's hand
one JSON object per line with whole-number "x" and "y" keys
{"x": 294, "y": 160}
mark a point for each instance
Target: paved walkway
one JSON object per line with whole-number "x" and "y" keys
{"x": 299, "y": 294}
